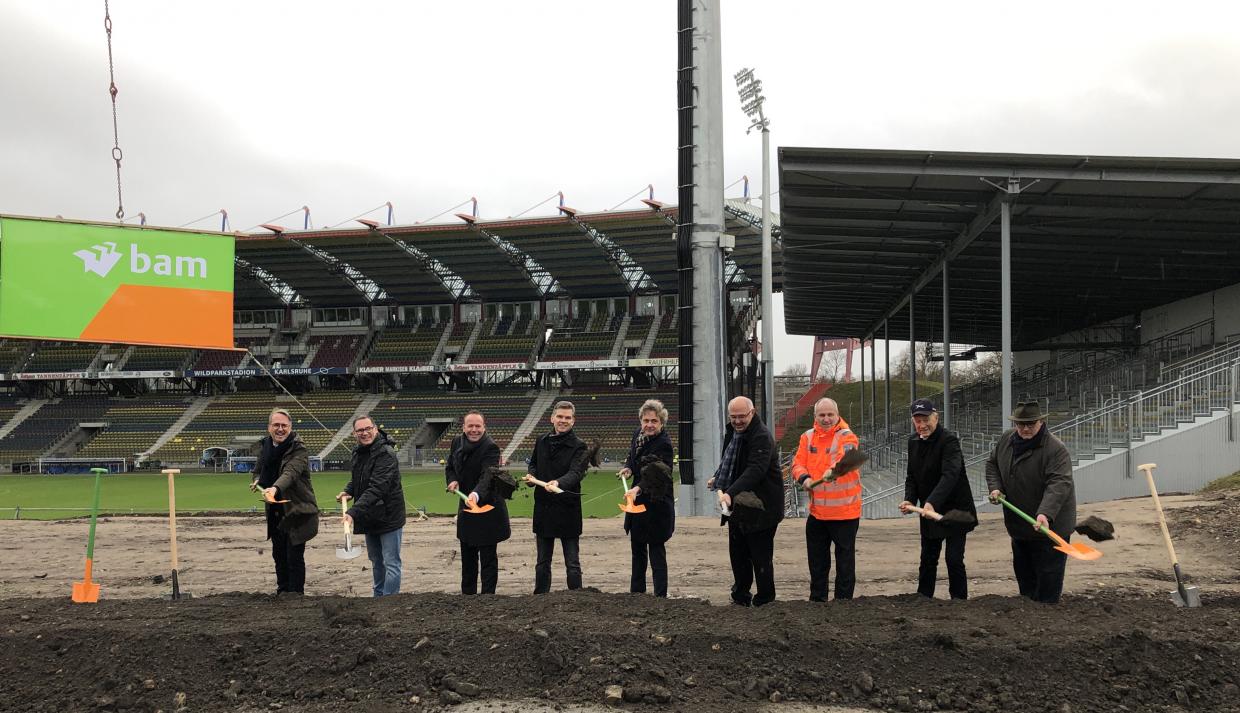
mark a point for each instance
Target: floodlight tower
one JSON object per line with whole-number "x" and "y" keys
{"x": 750, "y": 90}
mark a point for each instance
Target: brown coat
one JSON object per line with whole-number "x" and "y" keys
{"x": 301, "y": 514}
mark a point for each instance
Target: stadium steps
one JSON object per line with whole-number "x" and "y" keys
{"x": 648, "y": 344}
{"x": 618, "y": 347}
{"x": 196, "y": 407}
{"x": 537, "y": 410}
{"x": 437, "y": 355}
{"x": 466, "y": 350}
{"x": 120, "y": 363}
{"x": 311, "y": 350}
{"x": 26, "y": 411}
{"x": 365, "y": 408}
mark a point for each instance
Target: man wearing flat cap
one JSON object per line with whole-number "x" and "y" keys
{"x": 936, "y": 481}
{"x": 1032, "y": 470}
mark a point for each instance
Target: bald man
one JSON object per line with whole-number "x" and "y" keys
{"x": 834, "y": 506}
{"x": 750, "y": 464}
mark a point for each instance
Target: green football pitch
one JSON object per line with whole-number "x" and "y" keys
{"x": 51, "y": 497}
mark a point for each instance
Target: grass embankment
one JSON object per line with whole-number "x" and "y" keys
{"x": 1227, "y": 482}
{"x": 51, "y": 497}
{"x": 849, "y": 397}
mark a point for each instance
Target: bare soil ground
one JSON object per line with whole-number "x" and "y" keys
{"x": 1115, "y": 643}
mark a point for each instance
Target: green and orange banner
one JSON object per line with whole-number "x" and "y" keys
{"x": 115, "y": 283}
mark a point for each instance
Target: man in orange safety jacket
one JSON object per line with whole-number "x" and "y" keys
{"x": 835, "y": 506}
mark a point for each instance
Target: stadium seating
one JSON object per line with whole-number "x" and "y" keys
{"x": 245, "y": 415}
{"x": 13, "y": 354}
{"x": 38, "y": 433}
{"x": 338, "y": 350}
{"x": 405, "y": 346}
{"x": 504, "y": 341}
{"x": 666, "y": 341}
{"x": 583, "y": 339}
{"x": 156, "y": 358}
{"x": 608, "y": 414}
{"x": 211, "y": 359}
{"x": 133, "y": 425}
{"x": 62, "y": 356}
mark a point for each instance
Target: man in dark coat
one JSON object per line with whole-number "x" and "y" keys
{"x": 936, "y": 480}
{"x": 750, "y": 464}
{"x": 472, "y": 453}
{"x": 1032, "y": 470}
{"x": 649, "y": 531}
{"x": 283, "y": 473}
{"x": 378, "y": 510}
{"x": 559, "y": 459}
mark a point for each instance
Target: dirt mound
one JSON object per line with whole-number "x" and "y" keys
{"x": 906, "y": 653}
{"x": 1218, "y": 522}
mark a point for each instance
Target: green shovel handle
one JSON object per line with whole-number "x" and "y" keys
{"x": 462, "y": 496}
{"x": 1023, "y": 516}
{"x": 94, "y": 512}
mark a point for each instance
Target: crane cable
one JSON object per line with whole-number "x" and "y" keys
{"x": 117, "y": 154}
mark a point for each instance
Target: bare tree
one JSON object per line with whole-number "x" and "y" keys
{"x": 831, "y": 367}
{"x": 795, "y": 370}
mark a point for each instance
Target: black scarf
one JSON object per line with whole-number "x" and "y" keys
{"x": 558, "y": 440}
{"x": 1021, "y": 445}
{"x": 270, "y": 458}
{"x": 467, "y": 448}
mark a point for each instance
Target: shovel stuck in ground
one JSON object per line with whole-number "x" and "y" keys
{"x": 348, "y": 552}
{"x": 86, "y": 591}
{"x": 172, "y": 534}
{"x": 627, "y": 505}
{"x": 1183, "y": 596}
{"x": 472, "y": 507}
{"x": 951, "y": 517}
{"x": 1075, "y": 550}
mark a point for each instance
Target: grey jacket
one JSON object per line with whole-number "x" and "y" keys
{"x": 1039, "y": 483}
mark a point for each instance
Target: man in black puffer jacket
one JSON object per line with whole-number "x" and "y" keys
{"x": 937, "y": 481}
{"x": 472, "y": 453}
{"x": 559, "y": 460}
{"x": 750, "y": 463}
{"x": 378, "y": 510}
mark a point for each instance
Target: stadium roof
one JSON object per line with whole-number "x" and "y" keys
{"x": 1093, "y": 238}
{"x": 586, "y": 255}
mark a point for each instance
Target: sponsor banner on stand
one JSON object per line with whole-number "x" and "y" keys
{"x": 50, "y": 375}
{"x": 397, "y": 369}
{"x": 597, "y": 364}
{"x": 307, "y": 371}
{"x": 207, "y": 373}
{"x": 654, "y": 362}
{"x": 165, "y": 374}
{"x": 495, "y": 366}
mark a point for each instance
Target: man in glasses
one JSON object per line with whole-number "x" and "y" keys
{"x": 378, "y": 510}
{"x": 1032, "y": 470}
{"x": 750, "y": 466}
{"x": 282, "y": 473}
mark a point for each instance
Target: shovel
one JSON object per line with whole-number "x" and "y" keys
{"x": 951, "y": 517}
{"x": 543, "y": 484}
{"x": 349, "y": 551}
{"x": 1183, "y": 596}
{"x": 1075, "y": 550}
{"x": 627, "y": 505}
{"x": 172, "y": 530}
{"x": 86, "y": 591}
{"x": 472, "y": 507}
{"x": 850, "y": 461}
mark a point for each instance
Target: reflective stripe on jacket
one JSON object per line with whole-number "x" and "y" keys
{"x": 821, "y": 448}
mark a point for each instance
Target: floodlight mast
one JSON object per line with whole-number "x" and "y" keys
{"x": 750, "y": 90}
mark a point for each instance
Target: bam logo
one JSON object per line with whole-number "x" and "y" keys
{"x": 100, "y": 259}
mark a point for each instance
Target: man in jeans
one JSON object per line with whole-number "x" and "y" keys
{"x": 378, "y": 510}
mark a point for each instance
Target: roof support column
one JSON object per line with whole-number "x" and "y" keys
{"x": 947, "y": 351}
{"x": 1005, "y": 292}
{"x": 861, "y": 423}
{"x": 873, "y": 390}
{"x": 887, "y": 377}
{"x": 912, "y": 351}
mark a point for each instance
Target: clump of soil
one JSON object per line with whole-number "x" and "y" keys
{"x": 1103, "y": 652}
{"x": 1096, "y": 529}
{"x": 958, "y": 517}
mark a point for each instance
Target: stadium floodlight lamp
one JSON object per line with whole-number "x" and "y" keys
{"x": 749, "y": 88}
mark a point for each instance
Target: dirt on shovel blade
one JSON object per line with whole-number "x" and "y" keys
{"x": 1096, "y": 529}
{"x": 958, "y": 517}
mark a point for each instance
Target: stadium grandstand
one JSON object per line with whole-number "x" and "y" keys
{"x": 414, "y": 325}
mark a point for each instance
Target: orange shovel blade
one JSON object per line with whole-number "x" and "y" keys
{"x": 1075, "y": 550}
{"x": 86, "y": 592}
{"x": 628, "y": 506}
{"x": 477, "y": 509}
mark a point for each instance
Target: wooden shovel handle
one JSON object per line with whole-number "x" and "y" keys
{"x": 936, "y": 516}
{"x": 1162, "y": 520}
{"x": 172, "y": 514}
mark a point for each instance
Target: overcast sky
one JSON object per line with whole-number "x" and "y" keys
{"x": 262, "y": 107}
